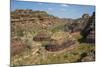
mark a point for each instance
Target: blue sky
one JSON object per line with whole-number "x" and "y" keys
{"x": 56, "y": 9}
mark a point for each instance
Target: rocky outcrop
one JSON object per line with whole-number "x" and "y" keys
{"x": 88, "y": 32}
{"x": 41, "y": 36}
{"x": 76, "y": 25}
{"x": 58, "y": 47}
{"x": 60, "y": 41}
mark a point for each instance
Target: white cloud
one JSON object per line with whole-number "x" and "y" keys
{"x": 40, "y": 3}
{"x": 64, "y": 5}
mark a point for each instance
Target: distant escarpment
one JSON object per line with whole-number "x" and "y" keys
{"x": 37, "y": 20}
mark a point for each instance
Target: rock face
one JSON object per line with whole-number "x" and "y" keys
{"x": 88, "y": 32}
{"x": 77, "y": 24}
{"x": 56, "y": 47}
{"x": 41, "y": 36}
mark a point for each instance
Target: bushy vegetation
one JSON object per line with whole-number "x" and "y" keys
{"x": 38, "y": 29}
